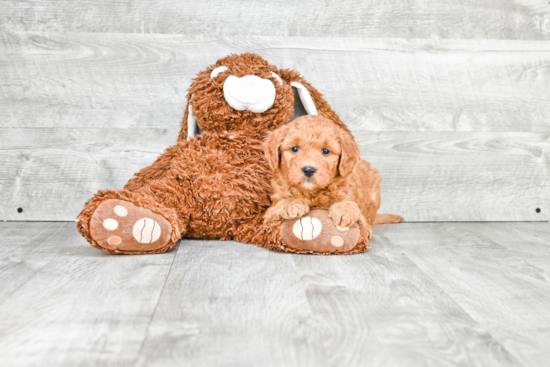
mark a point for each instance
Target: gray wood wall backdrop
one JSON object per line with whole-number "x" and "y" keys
{"x": 450, "y": 99}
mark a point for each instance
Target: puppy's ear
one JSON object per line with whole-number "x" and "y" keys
{"x": 272, "y": 146}
{"x": 350, "y": 154}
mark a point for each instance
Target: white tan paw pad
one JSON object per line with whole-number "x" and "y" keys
{"x": 110, "y": 224}
{"x": 121, "y": 211}
{"x": 114, "y": 240}
{"x": 307, "y": 228}
{"x": 337, "y": 241}
{"x": 118, "y": 226}
{"x": 318, "y": 233}
{"x": 146, "y": 230}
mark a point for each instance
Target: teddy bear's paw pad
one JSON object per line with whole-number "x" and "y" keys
{"x": 146, "y": 230}
{"x": 317, "y": 233}
{"x": 307, "y": 228}
{"x": 121, "y": 225}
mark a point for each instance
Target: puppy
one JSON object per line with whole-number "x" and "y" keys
{"x": 317, "y": 164}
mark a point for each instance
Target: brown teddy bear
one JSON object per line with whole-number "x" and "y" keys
{"x": 214, "y": 183}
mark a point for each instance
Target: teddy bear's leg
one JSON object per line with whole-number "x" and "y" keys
{"x": 147, "y": 219}
{"x": 314, "y": 233}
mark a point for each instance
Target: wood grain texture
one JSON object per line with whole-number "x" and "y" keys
{"x": 83, "y": 112}
{"x": 234, "y": 304}
{"x": 459, "y": 176}
{"x": 64, "y": 303}
{"x": 51, "y": 172}
{"x": 449, "y": 294}
{"x": 529, "y": 240}
{"x": 436, "y": 176}
{"x": 501, "y": 287}
{"x": 231, "y": 304}
{"x": 126, "y": 80}
{"x": 378, "y": 309}
{"x": 491, "y": 19}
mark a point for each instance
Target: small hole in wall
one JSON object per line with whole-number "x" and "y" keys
{"x": 20, "y": 210}
{"x": 537, "y": 210}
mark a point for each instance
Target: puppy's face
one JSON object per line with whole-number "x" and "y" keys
{"x": 311, "y": 152}
{"x": 310, "y": 157}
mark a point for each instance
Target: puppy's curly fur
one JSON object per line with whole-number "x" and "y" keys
{"x": 316, "y": 164}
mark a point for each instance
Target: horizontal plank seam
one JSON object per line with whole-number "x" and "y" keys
{"x": 199, "y": 39}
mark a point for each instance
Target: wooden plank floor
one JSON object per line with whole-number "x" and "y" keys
{"x": 430, "y": 294}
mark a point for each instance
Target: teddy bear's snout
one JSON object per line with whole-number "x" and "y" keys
{"x": 249, "y": 93}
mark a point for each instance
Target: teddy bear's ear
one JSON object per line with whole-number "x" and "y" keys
{"x": 189, "y": 127}
{"x": 305, "y": 98}
{"x": 312, "y": 100}
{"x": 192, "y": 127}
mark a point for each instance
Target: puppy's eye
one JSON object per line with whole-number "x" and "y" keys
{"x": 295, "y": 149}
{"x": 326, "y": 151}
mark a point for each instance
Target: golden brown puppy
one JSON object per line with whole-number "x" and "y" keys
{"x": 316, "y": 164}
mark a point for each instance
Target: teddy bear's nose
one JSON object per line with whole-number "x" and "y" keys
{"x": 309, "y": 171}
{"x": 250, "y": 81}
{"x": 249, "y": 93}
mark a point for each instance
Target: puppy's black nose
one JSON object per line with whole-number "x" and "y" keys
{"x": 308, "y": 171}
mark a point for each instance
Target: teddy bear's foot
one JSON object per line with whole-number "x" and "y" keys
{"x": 119, "y": 226}
{"x": 316, "y": 232}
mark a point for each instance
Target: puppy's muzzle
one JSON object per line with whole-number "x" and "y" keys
{"x": 309, "y": 171}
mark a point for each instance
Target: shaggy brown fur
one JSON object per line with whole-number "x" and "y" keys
{"x": 337, "y": 178}
{"x": 216, "y": 185}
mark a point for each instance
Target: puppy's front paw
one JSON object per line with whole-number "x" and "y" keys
{"x": 294, "y": 209}
{"x": 287, "y": 209}
{"x": 344, "y": 214}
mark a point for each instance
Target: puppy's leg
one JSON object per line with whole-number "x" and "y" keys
{"x": 344, "y": 213}
{"x": 368, "y": 216}
{"x": 287, "y": 209}
{"x": 367, "y": 194}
